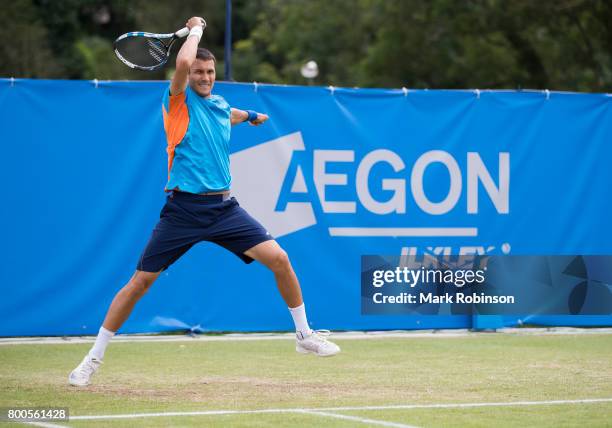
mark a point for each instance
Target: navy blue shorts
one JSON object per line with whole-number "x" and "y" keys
{"x": 187, "y": 219}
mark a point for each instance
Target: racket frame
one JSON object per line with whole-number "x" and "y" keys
{"x": 159, "y": 37}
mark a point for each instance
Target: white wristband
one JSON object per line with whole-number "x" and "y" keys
{"x": 196, "y": 31}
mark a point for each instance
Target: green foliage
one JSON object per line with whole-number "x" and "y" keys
{"x": 93, "y": 53}
{"x": 561, "y": 45}
{"x": 27, "y": 54}
{"x": 439, "y": 43}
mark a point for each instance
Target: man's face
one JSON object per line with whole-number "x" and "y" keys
{"x": 202, "y": 77}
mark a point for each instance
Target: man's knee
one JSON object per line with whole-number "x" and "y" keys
{"x": 280, "y": 261}
{"x": 141, "y": 282}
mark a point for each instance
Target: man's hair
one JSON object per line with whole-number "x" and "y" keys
{"x": 205, "y": 55}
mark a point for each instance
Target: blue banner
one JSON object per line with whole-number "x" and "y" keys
{"x": 334, "y": 174}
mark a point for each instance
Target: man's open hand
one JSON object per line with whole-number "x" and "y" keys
{"x": 261, "y": 118}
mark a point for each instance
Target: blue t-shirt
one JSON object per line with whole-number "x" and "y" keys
{"x": 198, "y": 132}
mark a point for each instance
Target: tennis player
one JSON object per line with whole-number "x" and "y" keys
{"x": 199, "y": 206}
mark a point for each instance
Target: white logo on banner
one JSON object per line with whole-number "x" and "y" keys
{"x": 259, "y": 173}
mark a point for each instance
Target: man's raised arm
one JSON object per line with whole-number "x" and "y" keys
{"x": 186, "y": 56}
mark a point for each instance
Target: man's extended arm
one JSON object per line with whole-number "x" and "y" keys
{"x": 185, "y": 57}
{"x": 239, "y": 116}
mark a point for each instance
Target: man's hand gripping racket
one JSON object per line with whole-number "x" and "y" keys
{"x": 147, "y": 51}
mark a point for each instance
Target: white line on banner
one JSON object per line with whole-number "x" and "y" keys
{"x": 403, "y": 231}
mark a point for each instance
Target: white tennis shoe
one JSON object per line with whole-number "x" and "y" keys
{"x": 316, "y": 343}
{"x": 81, "y": 376}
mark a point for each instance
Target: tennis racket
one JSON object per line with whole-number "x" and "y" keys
{"x": 147, "y": 51}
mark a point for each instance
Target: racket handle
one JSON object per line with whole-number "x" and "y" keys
{"x": 182, "y": 32}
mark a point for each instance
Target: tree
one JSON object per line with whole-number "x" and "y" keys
{"x": 434, "y": 43}
{"x": 27, "y": 53}
{"x": 559, "y": 45}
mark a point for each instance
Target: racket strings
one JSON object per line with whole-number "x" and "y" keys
{"x": 157, "y": 50}
{"x": 142, "y": 51}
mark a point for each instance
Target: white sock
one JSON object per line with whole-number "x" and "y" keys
{"x": 299, "y": 319}
{"x": 104, "y": 336}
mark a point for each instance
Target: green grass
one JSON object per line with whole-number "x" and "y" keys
{"x": 264, "y": 374}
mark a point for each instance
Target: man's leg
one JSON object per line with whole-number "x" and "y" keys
{"x": 119, "y": 311}
{"x": 124, "y": 301}
{"x": 271, "y": 255}
{"x": 121, "y": 308}
{"x": 176, "y": 232}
